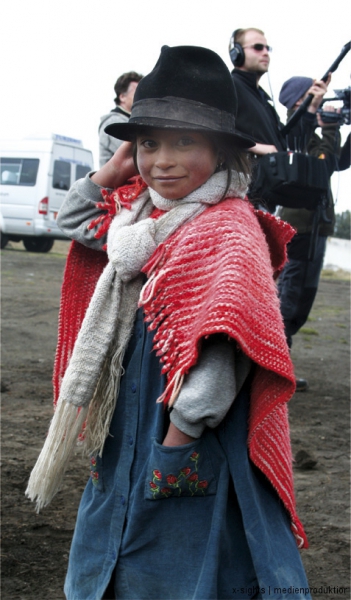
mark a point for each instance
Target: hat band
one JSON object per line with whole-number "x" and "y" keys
{"x": 188, "y": 112}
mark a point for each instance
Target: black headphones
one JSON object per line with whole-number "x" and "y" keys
{"x": 236, "y": 51}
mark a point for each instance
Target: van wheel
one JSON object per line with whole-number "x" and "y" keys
{"x": 38, "y": 244}
{"x": 3, "y": 240}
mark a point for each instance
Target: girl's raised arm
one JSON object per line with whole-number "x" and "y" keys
{"x": 118, "y": 169}
{"x": 80, "y": 206}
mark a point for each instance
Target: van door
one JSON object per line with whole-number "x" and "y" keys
{"x": 21, "y": 185}
{"x": 83, "y": 160}
{"x": 62, "y": 177}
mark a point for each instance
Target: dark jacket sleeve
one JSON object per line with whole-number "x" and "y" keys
{"x": 345, "y": 159}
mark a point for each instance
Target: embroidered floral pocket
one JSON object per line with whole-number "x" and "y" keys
{"x": 179, "y": 471}
{"x": 96, "y": 472}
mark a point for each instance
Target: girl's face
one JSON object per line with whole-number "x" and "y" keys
{"x": 173, "y": 162}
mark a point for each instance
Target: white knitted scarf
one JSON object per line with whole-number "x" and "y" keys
{"x": 90, "y": 386}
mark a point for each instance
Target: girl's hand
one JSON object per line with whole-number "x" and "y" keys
{"x": 175, "y": 437}
{"x": 118, "y": 169}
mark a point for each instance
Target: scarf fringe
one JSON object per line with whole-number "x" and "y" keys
{"x": 47, "y": 475}
{"x": 105, "y": 396}
{"x": 100, "y": 413}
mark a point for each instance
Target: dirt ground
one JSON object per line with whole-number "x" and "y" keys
{"x": 35, "y": 547}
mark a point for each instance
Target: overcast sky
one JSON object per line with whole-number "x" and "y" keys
{"x": 61, "y": 58}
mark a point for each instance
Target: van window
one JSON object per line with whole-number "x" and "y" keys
{"x": 81, "y": 171}
{"x": 62, "y": 175}
{"x": 19, "y": 171}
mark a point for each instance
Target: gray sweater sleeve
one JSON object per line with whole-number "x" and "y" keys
{"x": 79, "y": 209}
{"x": 210, "y": 387}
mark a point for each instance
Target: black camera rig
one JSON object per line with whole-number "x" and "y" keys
{"x": 299, "y": 112}
{"x": 343, "y": 114}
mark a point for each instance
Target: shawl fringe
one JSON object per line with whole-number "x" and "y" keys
{"x": 46, "y": 477}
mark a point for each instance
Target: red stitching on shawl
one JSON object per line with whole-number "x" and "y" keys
{"x": 82, "y": 271}
{"x": 129, "y": 192}
{"x": 112, "y": 203}
{"x": 277, "y": 244}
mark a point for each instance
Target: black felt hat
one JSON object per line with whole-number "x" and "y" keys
{"x": 189, "y": 88}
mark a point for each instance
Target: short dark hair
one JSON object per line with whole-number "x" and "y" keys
{"x": 123, "y": 82}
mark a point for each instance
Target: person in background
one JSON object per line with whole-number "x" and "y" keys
{"x": 299, "y": 280}
{"x": 250, "y": 55}
{"x": 257, "y": 117}
{"x": 125, "y": 87}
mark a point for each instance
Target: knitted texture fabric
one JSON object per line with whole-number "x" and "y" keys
{"x": 82, "y": 271}
{"x": 215, "y": 276}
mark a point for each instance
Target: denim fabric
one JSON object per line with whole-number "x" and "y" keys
{"x": 273, "y": 548}
{"x": 166, "y": 523}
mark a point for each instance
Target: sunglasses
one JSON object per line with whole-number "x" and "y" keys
{"x": 259, "y": 47}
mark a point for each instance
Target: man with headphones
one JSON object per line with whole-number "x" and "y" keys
{"x": 250, "y": 55}
{"x": 256, "y": 116}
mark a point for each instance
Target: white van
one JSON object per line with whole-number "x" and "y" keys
{"x": 35, "y": 174}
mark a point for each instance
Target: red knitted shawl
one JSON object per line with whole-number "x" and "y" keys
{"x": 214, "y": 275}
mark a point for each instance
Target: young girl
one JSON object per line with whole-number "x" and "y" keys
{"x": 180, "y": 374}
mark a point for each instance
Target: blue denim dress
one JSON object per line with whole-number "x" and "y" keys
{"x": 168, "y": 523}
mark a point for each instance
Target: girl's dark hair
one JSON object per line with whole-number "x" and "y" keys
{"x": 231, "y": 158}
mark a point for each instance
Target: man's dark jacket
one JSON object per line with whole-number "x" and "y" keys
{"x": 256, "y": 116}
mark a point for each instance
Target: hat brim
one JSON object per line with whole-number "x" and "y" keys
{"x": 128, "y": 131}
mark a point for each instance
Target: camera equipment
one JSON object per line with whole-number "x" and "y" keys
{"x": 294, "y": 180}
{"x": 298, "y": 114}
{"x": 343, "y": 116}
{"x": 291, "y": 179}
